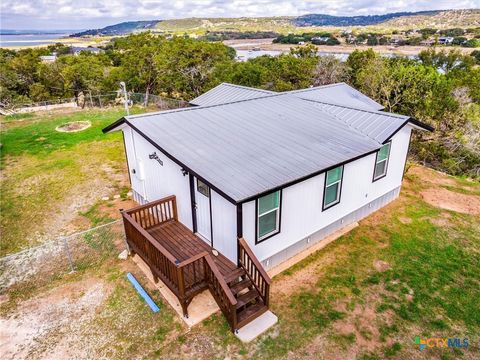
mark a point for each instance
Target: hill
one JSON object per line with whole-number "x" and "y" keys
{"x": 328, "y": 20}
{"x": 284, "y": 24}
{"x": 439, "y": 20}
{"x": 119, "y": 29}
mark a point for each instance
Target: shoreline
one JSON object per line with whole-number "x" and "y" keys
{"x": 267, "y": 45}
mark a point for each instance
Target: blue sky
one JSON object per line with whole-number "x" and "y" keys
{"x": 86, "y": 14}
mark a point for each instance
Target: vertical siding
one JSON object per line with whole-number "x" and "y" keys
{"x": 302, "y": 213}
{"x": 161, "y": 181}
{"x": 224, "y": 222}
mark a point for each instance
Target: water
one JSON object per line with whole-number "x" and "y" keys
{"x": 29, "y": 40}
{"x": 244, "y": 55}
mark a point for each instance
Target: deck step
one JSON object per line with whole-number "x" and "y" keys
{"x": 251, "y": 313}
{"x": 246, "y": 298}
{"x": 241, "y": 285}
{"x": 234, "y": 275}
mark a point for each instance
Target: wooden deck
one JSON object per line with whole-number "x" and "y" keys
{"x": 187, "y": 266}
{"x": 183, "y": 244}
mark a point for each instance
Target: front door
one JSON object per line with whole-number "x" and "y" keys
{"x": 202, "y": 200}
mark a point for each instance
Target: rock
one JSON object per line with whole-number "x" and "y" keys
{"x": 116, "y": 196}
{"x": 123, "y": 255}
{"x": 129, "y": 194}
{"x": 105, "y": 198}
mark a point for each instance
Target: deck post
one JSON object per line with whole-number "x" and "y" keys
{"x": 129, "y": 252}
{"x": 181, "y": 291}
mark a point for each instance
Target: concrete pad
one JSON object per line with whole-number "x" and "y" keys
{"x": 202, "y": 306}
{"x": 307, "y": 252}
{"x": 257, "y": 327}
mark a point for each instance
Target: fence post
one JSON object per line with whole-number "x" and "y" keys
{"x": 69, "y": 255}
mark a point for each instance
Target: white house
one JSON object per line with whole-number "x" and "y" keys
{"x": 280, "y": 170}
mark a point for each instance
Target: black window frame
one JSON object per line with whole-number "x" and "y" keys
{"x": 326, "y": 207}
{"x": 386, "y": 164}
{"x": 257, "y": 239}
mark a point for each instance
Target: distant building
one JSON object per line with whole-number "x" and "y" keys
{"x": 445, "y": 40}
{"x": 76, "y": 50}
{"x": 48, "y": 58}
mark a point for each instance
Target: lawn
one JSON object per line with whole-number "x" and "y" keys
{"x": 409, "y": 270}
{"x": 50, "y": 178}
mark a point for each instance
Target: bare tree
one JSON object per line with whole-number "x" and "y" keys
{"x": 329, "y": 70}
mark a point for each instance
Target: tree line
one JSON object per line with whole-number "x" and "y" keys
{"x": 438, "y": 87}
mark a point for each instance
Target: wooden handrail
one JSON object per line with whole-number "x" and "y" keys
{"x": 149, "y": 237}
{"x": 255, "y": 271}
{"x": 152, "y": 203}
{"x": 254, "y": 259}
{"x": 192, "y": 259}
{"x": 221, "y": 279}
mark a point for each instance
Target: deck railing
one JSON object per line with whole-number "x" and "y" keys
{"x": 186, "y": 278}
{"x": 221, "y": 292}
{"x": 255, "y": 271}
{"x": 155, "y": 212}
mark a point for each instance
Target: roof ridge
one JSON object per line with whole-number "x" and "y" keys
{"x": 378, "y": 112}
{"x": 245, "y": 87}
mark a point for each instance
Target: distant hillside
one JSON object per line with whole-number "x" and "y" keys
{"x": 119, "y": 29}
{"x": 440, "y": 20}
{"x": 328, "y": 20}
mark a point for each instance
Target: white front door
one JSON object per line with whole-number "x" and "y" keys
{"x": 202, "y": 200}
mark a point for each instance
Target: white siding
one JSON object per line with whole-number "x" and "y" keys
{"x": 302, "y": 213}
{"x": 224, "y": 219}
{"x": 160, "y": 181}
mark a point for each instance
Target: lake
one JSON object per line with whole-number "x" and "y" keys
{"x": 29, "y": 40}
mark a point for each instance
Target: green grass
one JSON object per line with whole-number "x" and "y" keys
{"x": 45, "y": 172}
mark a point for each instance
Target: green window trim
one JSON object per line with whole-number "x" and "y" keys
{"x": 333, "y": 187}
{"x": 268, "y": 209}
{"x": 381, "y": 161}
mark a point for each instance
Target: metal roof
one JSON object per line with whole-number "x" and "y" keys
{"x": 248, "y": 147}
{"x": 225, "y": 92}
{"x": 340, "y": 94}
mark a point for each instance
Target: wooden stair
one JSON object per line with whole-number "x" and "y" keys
{"x": 249, "y": 301}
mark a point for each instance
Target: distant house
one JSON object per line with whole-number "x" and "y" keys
{"x": 445, "y": 40}
{"x": 320, "y": 39}
{"x": 48, "y": 58}
{"x": 247, "y": 178}
{"x": 76, "y": 50}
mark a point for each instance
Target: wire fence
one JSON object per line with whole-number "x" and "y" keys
{"x": 87, "y": 100}
{"x": 67, "y": 254}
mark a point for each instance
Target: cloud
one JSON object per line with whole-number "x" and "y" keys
{"x": 69, "y": 14}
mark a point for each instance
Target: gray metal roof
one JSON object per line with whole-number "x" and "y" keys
{"x": 225, "y": 92}
{"x": 248, "y": 147}
{"x": 340, "y": 94}
{"x": 377, "y": 125}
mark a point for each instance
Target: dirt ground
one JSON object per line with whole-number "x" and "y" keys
{"x": 57, "y": 313}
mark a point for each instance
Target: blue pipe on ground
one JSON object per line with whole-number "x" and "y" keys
{"x": 143, "y": 293}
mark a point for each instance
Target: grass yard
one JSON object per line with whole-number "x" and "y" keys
{"x": 411, "y": 269}
{"x": 49, "y": 178}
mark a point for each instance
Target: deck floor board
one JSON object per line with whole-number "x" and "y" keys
{"x": 183, "y": 244}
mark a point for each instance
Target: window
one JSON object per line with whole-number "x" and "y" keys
{"x": 333, "y": 187}
{"x": 381, "y": 162}
{"x": 203, "y": 188}
{"x": 268, "y": 215}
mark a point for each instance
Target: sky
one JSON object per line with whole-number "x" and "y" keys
{"x": 88, "y": 14}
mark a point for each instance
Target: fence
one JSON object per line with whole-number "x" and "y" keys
{"x": 89, "y": 100}
{"x": 52, "y": 259}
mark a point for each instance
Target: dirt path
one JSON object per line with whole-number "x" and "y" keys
{"x": 24, "y": 333}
